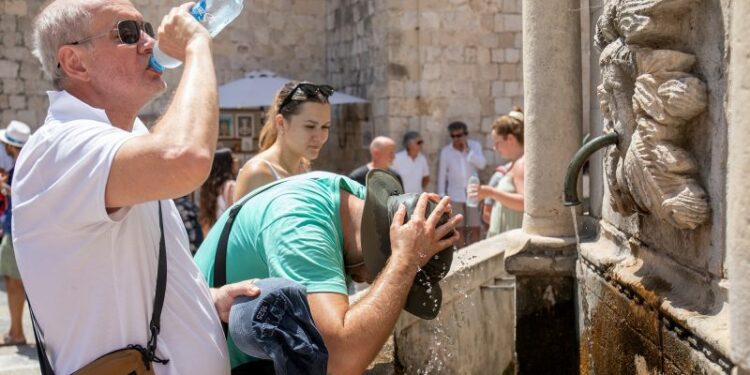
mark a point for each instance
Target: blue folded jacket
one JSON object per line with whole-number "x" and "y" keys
{"x": 278, "y": 325}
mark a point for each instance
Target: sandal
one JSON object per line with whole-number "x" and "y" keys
{"x": 8, "y": 341}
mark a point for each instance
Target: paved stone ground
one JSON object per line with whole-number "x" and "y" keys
{"x": 16, "y": 360}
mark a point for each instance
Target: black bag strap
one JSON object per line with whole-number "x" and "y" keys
{"x": 149, "y": 352}
{"x": 220, "y": 258}
{"x": 41, "y": 352}
{"x": 161, "y": 290}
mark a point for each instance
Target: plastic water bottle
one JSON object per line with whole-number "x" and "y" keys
{"x": 214, "y": 15}
{"x": 472, "y": 200}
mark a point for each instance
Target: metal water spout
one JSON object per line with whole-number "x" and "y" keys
{"x": 574, "y": 168}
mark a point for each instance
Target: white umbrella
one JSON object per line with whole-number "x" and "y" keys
{"x": 258, "y": 88}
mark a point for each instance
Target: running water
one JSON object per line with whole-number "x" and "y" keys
{"x": 444, "y": 345}
{"x": 584, "y": 302}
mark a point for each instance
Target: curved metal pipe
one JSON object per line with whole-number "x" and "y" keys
{"x": 574, "y": 168}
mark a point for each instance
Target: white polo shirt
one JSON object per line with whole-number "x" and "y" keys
{"x": 91, "y": 276}
{"x": 412, "y": 171}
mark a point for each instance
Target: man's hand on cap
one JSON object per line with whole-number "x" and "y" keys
{"x": 419, "y": 239}
{"x": 224, "y": 297}
{"x": 178, "y": 29}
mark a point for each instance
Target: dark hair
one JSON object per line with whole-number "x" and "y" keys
{"x": 505, "y": 125}
{"x": 221, "y": 172}
{"x": 457, "y": 125}
{"x": 269, "y": 132}
{"x": 408, "y": 137}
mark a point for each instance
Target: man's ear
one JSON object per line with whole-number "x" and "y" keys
{"x": 71, "y": 62}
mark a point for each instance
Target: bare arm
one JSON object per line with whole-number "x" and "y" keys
{"x": 354, "y": 335}
{"x": 252, "y": 176}
{"x": 514, "y": 201}
{"x": 175, "y": 157}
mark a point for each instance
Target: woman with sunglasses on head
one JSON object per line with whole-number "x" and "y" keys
{"x": 296, "y": 129}
{"x": 507, "y": 197}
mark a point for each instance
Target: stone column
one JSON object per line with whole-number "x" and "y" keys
{"x": 542, "y": 255}
{"x": 552, "y": 92}
{"x": 738, "y": 187}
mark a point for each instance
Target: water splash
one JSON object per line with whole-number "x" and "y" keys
{"x": 584, "y": 303}
{"x": 444, "y": 345}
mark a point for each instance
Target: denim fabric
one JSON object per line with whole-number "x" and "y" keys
{"x": 278, "y": 325}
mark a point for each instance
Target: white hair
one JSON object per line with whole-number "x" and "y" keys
{"x": 60, "y": 23}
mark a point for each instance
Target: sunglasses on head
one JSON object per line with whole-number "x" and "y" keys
{"x": 309, "y": 89}
{"x": 458, "y": 135}
{"x": 128, "y": 31}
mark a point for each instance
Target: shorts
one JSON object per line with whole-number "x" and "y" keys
{"x": 8, "y": 266}
{"x": 471, "y": 214}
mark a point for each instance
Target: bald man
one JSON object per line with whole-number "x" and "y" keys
{"x": 382, "y": 153}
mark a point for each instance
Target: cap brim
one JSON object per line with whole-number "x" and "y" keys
{"x": 376, "y": 223}
{"x": 424, "y": 302}
{"x": 425, "y": 296}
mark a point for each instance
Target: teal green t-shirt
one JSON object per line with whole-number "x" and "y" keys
{"x": 290, "y": 229}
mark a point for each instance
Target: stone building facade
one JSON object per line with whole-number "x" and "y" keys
{"x": 420, "y": 63}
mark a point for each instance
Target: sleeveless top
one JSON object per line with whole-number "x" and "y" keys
{"x": 502, "y": 218}
{"x": 270, "y": 167}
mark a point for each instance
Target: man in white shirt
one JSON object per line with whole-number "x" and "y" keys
{"x": 411, "y": 164}
{"x": 460, "y": 160}
{"x": 88, "y": 186}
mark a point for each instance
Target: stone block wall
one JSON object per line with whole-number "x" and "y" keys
{"x": 452, "y": 60}
{"x": 425, "y": 63}
{"x": 420, "y": 63}
{"x": 22, "y": 83}
{"x": 286, "y": 36}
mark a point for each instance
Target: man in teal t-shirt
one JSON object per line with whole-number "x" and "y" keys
{"x": 297, "y": 236}
{"x": 306, "y": 229}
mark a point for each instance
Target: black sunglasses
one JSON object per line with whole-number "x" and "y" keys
{"x": 458, "y": 135}
{"x": 309, "y": 89}
{"x": 128, "y": 31}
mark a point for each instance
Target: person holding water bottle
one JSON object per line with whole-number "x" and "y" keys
{"x": 508, "y": 195}
{"x": 93, "y": 230}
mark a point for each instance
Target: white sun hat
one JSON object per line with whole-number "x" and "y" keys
{"x": 16, "y": 134}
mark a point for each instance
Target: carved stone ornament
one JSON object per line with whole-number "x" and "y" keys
{"x": 649, "y": 97}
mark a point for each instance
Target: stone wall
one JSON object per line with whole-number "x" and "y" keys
{"x": 452, "y": 60}
{"x": 420, "y": 63}
{"x": 286, "y": 36}
{"x": 22, "y": 83}
{"x": 425, "y": 63}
